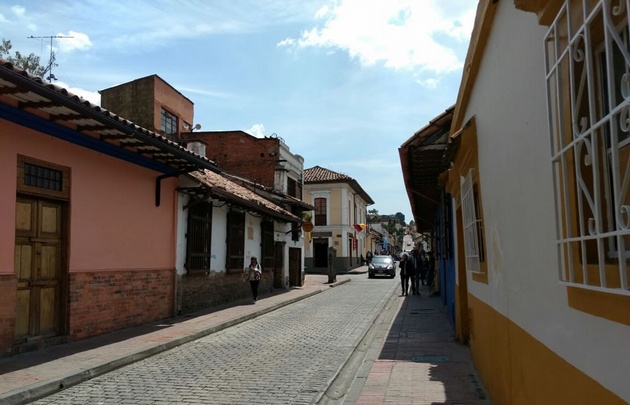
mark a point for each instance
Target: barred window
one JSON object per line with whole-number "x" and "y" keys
{"x": 473, "y": 231}
{"x": 588, "y": 83}
{"x": 236, "y": 240}
{"x": 267, "y": 260}
{"x": 199, "y": 237}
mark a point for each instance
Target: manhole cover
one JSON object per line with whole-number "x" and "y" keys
{"x": 429, "y": 359}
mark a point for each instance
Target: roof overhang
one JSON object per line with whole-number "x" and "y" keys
{"x": 216, "y": 185}
{"x": 28, "y": 101}
{"x": 423, "y": 157}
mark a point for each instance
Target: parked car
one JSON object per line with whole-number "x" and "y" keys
{"x": 382, "y": 266}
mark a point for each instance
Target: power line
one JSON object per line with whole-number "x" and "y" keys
{"x": 51, "y": 59}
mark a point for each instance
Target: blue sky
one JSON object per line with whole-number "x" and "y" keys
{"x": 343, "y": 82}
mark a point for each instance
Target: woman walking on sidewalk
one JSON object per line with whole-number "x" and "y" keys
{"x": 406, "y": 267}
{"x": 255, "y": 274}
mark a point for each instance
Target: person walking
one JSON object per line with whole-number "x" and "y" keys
{"x": 415, "y": 271}
{"x": 255, "y": 274}
{"x": 405, "y": 266}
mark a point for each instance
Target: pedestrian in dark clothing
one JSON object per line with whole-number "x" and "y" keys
{"x": 405, "y": 266}
{"x": 430, "y": 267}
{"x": 416, "y": 268}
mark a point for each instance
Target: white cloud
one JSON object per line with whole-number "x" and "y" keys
{"x": 257, "y": 130}
{"x": 73, "y": 41}
{"x": 92, "y": 96}
{"x": 411, "y": 35}
{"x": 19, "y": 11}
{"x": 286, "y": 42}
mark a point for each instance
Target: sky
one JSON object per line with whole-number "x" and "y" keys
{"x": 344, "y": 83}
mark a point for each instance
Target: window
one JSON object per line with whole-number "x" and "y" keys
{"x": 41, "y": 178}
{"x": 473, "y": 231}
{"x": 199, "y": 237}
{"x": 320, "y": 211}
{"x": 291, "y": 187}
{"x": 168, "y": 123}
{"x": 236, "y": 241}
{"x": 267, "y": 259}
{"x": 588, "y": 83}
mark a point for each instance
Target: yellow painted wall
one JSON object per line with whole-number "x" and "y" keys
{"x": 517, "y": 369}
{"x": 335, "y": 206}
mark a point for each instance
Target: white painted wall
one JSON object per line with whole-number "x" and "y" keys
{"x": 509, "y": 102}
{"x": 253, "y": 239}
{"x": 182, "y": 225}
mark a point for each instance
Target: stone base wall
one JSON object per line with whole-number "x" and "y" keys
{"x": 201, "y": 291}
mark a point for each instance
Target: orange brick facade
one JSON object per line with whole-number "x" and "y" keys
{"x": 102, "y": 302}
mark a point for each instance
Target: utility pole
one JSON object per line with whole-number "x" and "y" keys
{"x": 51, "y": 59}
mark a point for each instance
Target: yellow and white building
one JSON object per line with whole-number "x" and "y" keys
{"x": 540, "y": 180}
{"x": 339, "y": 220}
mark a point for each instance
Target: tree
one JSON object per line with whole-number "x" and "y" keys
{"x": 372, "y": 215}
{"x": 28, "y": 63}
{"x": 400, "y": 217}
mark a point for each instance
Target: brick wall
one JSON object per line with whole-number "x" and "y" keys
{"x": 102, "y": 302}
{"x": 240, "y": 153}
{"x": 8, "y": 288}
{"x": 201, "y": 291}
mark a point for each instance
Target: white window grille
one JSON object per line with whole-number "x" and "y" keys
{"x": 588, "y": 89}
{"x": 471, "y": 224}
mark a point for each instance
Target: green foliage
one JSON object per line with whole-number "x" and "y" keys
{"x": 372, "y": 215}
{"x": 30, "y": 63}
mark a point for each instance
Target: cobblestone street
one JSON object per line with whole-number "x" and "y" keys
{"x": 288, "y": 356}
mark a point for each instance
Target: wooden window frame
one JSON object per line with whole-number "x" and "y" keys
{"x": 22, "y": 187}
{"x": 473, "y": 231}
{"x": 267, "y": 249}
{"x": 199, "y": 237}
{"x": 321, "y": 214}
{"x": 235, "y": 251}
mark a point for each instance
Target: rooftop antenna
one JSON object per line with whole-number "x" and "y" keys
{"x": 51, "y": 59}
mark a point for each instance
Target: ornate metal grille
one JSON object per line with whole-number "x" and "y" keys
{"x": 588, "y": 88}
{"x": 471, "y": 224}
{"x": 199, "y": 237}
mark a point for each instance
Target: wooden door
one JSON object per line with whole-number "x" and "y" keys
{"x": 278, "y": 270}
{"x": 295, "y": 261}
{"x": 38, "y": 240}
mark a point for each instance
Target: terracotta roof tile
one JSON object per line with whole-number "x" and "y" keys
{"x": 227, "y": 189}
{"x": 318, "y": 173}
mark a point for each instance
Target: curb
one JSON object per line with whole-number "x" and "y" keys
{"x": 54, "y": 385}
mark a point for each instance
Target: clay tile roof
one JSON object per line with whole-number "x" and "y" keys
{"x": 221, "y": 187}
{"x": 318, "y": 174}
{"x": 93, "y": 125}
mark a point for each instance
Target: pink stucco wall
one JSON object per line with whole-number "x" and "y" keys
{"x": 114, "y": 223}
